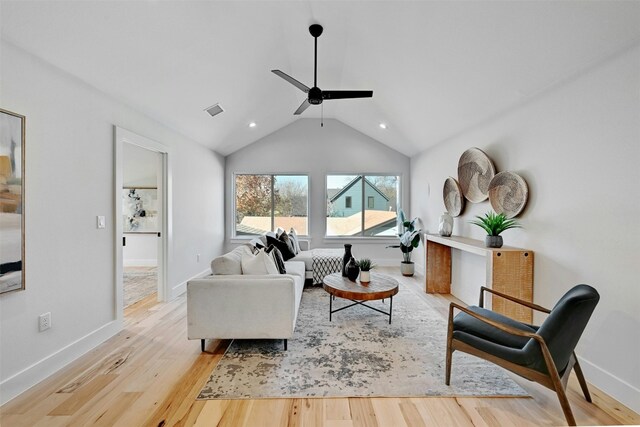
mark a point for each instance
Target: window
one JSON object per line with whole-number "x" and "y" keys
{"x": 346, "y": 212}
{"x": 265, "y": 202}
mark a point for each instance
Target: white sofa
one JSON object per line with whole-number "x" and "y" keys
{"x": 229, "y": 305}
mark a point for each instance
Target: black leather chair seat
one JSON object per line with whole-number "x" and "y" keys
{"x": 470, "y": 325}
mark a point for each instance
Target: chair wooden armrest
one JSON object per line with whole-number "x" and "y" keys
{"x": 510, "y": 298}
{"x": 505, "y": 328}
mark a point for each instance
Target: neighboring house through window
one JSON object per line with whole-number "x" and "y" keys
{"x": 362, "y": 205}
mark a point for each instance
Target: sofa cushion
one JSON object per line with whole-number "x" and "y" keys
{"x": 230, "y": 263}
{"x": 285, "y": 238}
{"x": 276, "y": 255}
{"x": 262, "y": 263}
{"x": 295, "y": 268}
{"x": 284, "y": 248}
{"x": 306, "y": 257}
{"x": 293, "y": 235}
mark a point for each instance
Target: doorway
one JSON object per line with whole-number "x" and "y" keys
{"x": 142, "y": 220}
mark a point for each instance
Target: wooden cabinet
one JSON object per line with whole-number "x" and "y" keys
{"x": 508, "y": 270}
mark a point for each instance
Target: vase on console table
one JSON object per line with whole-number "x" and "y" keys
{"x": 445, "y": 226}
{"x": 345, "y": 259}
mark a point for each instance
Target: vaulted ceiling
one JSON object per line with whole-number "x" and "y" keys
{"x": 437, "y": 68}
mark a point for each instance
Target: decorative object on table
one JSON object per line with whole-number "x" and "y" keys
{"x": 253, "y": 368}
{"x": 475, "y": 171}
{"x": 445, "y": 226}
{"x": 352, "y": 269}
{"x": 494, "y": 224}
{"x": 346, "y": 258}
{"x": 452, "y": 196}
{"x": 409, "y": 234}
{"x": 365, "y": 266}
{"x": 508, "y": 193}
{"x": 12, "y": 201}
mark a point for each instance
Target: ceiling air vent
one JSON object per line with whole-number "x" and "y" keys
{"x": 214, "y": 110}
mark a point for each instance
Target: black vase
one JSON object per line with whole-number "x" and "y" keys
{"x": 345, "y": 259}
{"x": 352, "y": 270}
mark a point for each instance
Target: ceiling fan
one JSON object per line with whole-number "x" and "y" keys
{"x": 315, "y": 94}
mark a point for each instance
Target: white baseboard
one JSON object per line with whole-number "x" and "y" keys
{"x": 140, "y": 262}
{"x": 181, "y": 288}
{"x": 39, "y": 371}
{"x": 615, "y": 387}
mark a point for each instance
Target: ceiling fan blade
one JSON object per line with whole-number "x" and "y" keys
{"x": 291, "y": 80}
{"x": 344, "y": 94}
{"x": 302, "y": 107}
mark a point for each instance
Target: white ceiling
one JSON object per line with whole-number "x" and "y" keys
{"x": 436, "y": 68}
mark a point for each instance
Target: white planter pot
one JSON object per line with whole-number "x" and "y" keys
{"x": 365, "y": 276}
{"x": 407, "y": 268}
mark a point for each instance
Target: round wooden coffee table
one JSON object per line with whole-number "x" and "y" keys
{"x": 380, "y": 287}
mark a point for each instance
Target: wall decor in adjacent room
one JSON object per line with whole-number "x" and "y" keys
{"x": 12, "y": 148}
{"x": 508, "y": 193}
{"x": 475, "y": 171}
{"x": 453, "y": 198}
{"x": 140, "y": 210}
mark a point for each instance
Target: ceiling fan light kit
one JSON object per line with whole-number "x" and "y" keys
{"x": 315, "y": 95}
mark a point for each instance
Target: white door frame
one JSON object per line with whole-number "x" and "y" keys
{"x": 122, "y": 136}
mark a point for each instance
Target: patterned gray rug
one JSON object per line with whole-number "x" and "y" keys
{"x": 138, "y": 283}
{"x": 358, "y": 354}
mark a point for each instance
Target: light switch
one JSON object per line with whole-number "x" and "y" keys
{"x": 101, "y": 223}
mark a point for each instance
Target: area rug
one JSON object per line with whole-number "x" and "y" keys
{"x": 357, "y": 354}
{"x": 138, "y": 283}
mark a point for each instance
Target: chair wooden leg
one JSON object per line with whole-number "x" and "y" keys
{"x": 566, "y": 409}
{"x": 447, "y": 376}
{"x": 583, "y": 383}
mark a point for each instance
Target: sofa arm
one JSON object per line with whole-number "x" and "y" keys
{"x": 304, "y": 245}
{"x": 241, "y": 306}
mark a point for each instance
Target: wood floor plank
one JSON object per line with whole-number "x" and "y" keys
{"x": 150, "y": 373}
{"x": 211, "y": 413}
{"x": 83, "y": 395}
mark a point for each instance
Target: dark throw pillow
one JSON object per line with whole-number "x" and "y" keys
{"x": 287, "y": 254}
{"x": 287, "y": 239}
{"x": 277, "y": 258}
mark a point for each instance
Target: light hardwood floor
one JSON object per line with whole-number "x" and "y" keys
{"x": 149, "y": 375}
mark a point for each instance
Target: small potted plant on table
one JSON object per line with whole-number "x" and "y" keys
{"x": 494, "y": 224}
{"x": 366, "y": 266}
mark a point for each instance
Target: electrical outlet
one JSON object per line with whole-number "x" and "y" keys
{"x": 44, "y": 321}
{"x": 197, "y": 257}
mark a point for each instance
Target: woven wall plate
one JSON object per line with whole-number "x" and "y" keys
{"x": 475, "y": 171}
{"x": 453, "y": 198}
{"x": 508, "y": 193}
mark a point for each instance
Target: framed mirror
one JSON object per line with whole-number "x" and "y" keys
{"x": 12, "y": 148}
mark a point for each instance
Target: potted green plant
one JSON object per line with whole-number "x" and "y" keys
{"x": 366, "y": 266}
{"x": 494, "y": 224}
{"x": 409, "y": 234}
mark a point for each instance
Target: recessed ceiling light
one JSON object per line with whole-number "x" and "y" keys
{"x": 383, "y": 126}
{"x": 252, "y": 124}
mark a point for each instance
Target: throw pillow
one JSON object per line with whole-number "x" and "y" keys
{"x": 258, "y": 264}
{"x": 287, "y": 254}
{"x": 277, "y": 258}
{"x": 294, "y": 236}
{"x": 285, "y": 238}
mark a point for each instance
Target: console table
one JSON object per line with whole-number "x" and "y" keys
{"x": 508, "y": 270}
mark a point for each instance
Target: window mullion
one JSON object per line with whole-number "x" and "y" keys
{"x": 363, "y": 209}
{"x": 273, "y": 204}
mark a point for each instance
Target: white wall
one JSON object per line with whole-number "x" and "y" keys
{"x": 70, "y": 180}
{"x": 305, "y": 147}
{"x": 578, "y": 147}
